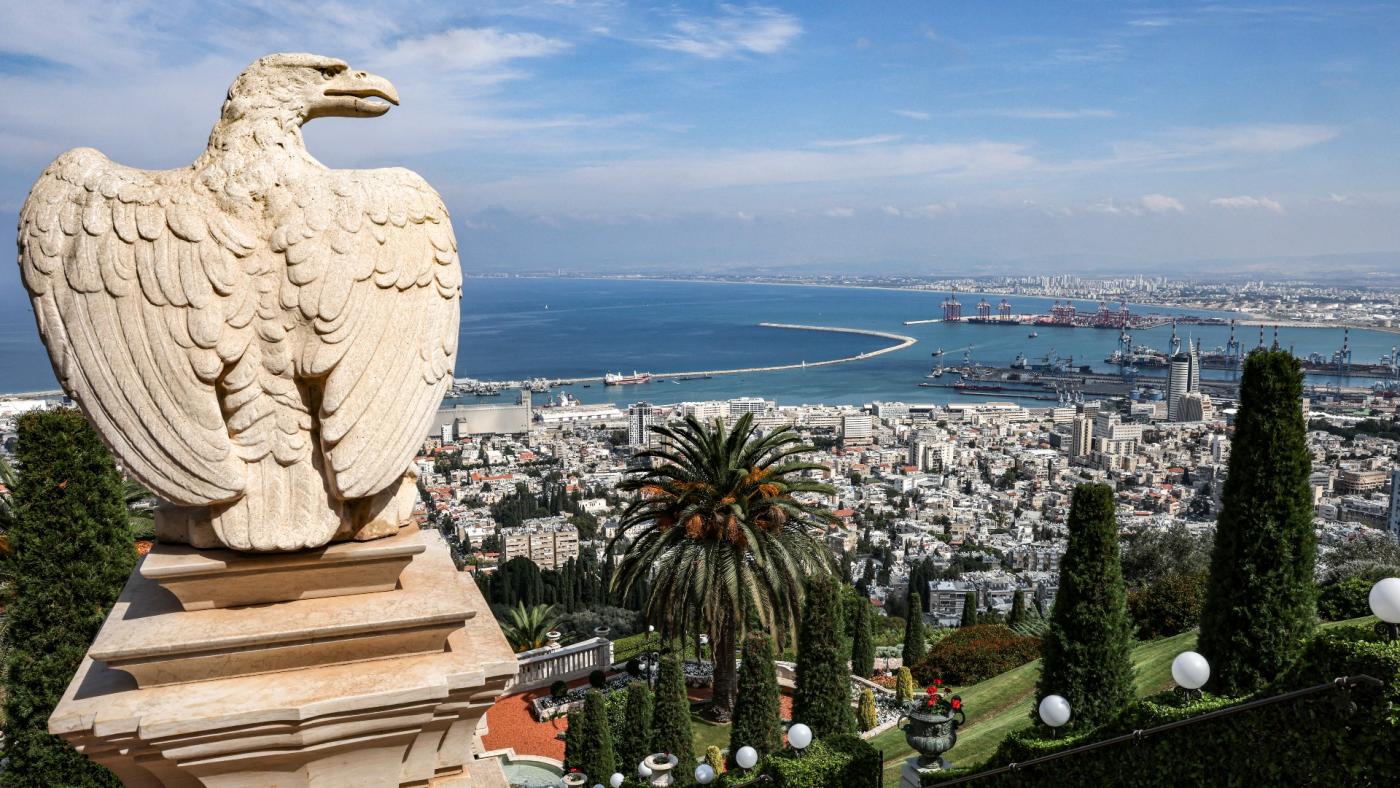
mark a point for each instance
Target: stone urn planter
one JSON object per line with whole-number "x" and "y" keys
{"x": 661, "y": 764}
{"x": 931, "y": 732}
{"x": 573, "y": 779}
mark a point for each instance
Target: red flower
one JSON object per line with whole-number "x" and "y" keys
{"x": 930, "y": 689}
{"x": 938, "y": 682}
{"x": 957, "y": 704}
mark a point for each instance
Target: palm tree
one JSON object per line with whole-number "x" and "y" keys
{"x": 528, "y": 627}
{"x": 721, "y": 538}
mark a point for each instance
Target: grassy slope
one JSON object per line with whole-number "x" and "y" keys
{"x": 1002, "y": 704}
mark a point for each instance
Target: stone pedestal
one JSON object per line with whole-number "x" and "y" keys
{"x": 911, "y": 776}
{"x": 361, "y": 664}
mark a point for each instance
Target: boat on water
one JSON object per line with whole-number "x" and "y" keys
{"x": 1034, "y": 334}
{"x": 937, "y": 372}
{"x": 618, "y": 379}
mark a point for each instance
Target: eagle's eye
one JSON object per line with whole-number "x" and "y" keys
{"x": 326, "y": 72}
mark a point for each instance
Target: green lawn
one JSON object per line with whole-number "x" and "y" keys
{"x": 707, "y": 733}
{"x": 1002, "y": 704}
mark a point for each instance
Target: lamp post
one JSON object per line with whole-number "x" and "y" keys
{"x": 1385, "y": 603}
{"x": 652, "y": 654}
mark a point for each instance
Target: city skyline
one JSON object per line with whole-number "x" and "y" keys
{"x": 789, "y": 137}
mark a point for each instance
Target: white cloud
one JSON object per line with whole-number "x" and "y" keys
{"x": 874, "y": 139}
{"x": 840, "y": 212}
{"x": 1150, "y": 22}
{"x": 1032, "y": 113}
{"x": 691, "y": 180}
{"x": 735, "y": 32}
{"x": 472, "y": 48}
{"x": 922, "y": 211}
{"x": 1146, "y": 204}
{"x": 1245, "y": 202}
{"x": 912, "y": 114}
{"x": 1161, "y": 203}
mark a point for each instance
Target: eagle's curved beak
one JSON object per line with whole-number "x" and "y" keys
{"x": 353, "y": 94}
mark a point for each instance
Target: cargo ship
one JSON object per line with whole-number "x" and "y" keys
{"x": 618, "y": 379}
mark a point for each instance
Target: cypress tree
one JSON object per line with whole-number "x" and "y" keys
{"x": 915, "y": 646}
{"x": 71, "y": 553}
{"x": 1018, "y": 610}
{"x": 863, "y": 642}
{"x": 575, "y": 732}
{"x": 757, "y": 719}
{"x": 1260, "y": 600}
{"x": 636, "y": 745}
{"x": 670, "y": 725}
{"x": 594, "y": 756}
{"x": 969, "y": 614}
{"x": 822, "y": 698}
{"x": 1086, "y": 656}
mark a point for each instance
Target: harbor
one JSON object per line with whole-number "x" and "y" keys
{"x": 490, "y": 388}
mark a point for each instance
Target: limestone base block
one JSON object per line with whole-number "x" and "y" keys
{"x": 307, "y": 692}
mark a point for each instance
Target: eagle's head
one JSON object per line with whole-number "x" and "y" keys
{"x": 298, "y": 87}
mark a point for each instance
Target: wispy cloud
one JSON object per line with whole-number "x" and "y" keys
{"x": 472, "y": 49}
{"x": 1245, "y": 202}
{"x": 1161, "y": 203}
{"x": 874, "y": 139}
{"x": 1146, "y": 204}
{"x": 920, "y": 211}
{"x": 734, "y": 32}
{"x": 1031, "y": 113}
{"x": 840, "y": 212}
{"x": 694, "y": 179}
{"x": 912, "y": 114}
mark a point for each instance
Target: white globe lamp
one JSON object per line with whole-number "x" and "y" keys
{"x": 1054, "y": 711}
{"x": 1385, "y": 600}
{"x": 1190, "y": 670}
{"x": 704, "y": 774}
{"x": 799, "y": 736}
{"x": 746, "y": 757}
{"x": 616, "y": 780}
{"x": 643, "y": 771}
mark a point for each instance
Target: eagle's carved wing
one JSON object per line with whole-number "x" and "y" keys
{"x": 141, "y": 297}
{"x": 372, "y": 265}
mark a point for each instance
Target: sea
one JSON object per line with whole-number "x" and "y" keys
{"x": 521, "y": 328}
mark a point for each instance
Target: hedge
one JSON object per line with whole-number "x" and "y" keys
{"x": 843, "y": 760}
{"x": 1313, "y": 740}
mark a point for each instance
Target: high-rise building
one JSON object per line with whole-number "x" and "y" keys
{"x": 640, "y": 417}
{"x": 1183, "y": 377}
{"x": 1082, "y": 438}
{"x": 1193, "y": 406}
{"x": 741, "y": 405}
{"x": 1392, "y": 522}
{"x": 547, "y": 541}
{"x": 857, "y": 429}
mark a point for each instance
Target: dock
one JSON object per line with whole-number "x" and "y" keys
{"x": 900, "y": 342}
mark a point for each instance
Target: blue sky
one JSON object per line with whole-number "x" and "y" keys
{"x": 925, "y": 137}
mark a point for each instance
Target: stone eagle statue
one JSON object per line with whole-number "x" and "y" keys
{"x": 261, "y": 340}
